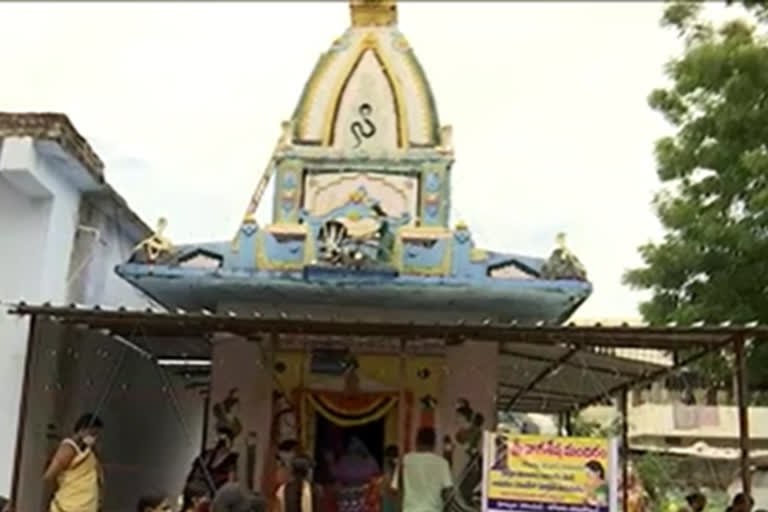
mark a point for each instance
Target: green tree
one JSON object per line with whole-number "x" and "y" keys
{"x": 582, "y": 427}
{"x": 659, "y": 474}
{"x": 712, "y": 264}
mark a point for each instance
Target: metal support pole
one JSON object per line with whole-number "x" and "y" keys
{"x": 624, "y": 414}
{"x": 569, "y": 423}
{"x": 403, "y": 434}
{"x": 206, "y": 418}
{"x": 743, "y": 405}
{"x": 23, "y": 408}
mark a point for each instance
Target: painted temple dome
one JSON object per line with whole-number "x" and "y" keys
{"x": 369, "y": 80}
{"x": 361, "y": 211}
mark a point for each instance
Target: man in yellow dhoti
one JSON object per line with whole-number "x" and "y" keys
{"x": 75, "y": 472}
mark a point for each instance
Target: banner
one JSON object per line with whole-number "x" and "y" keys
{"x": 349, "y": 410}
{"x": 526, "y": 473}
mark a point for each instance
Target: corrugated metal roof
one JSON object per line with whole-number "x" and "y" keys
{"x": 543, "y": 368}
{"x": 180, "y": 322}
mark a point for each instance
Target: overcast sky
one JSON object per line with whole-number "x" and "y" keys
{"x": 184, "y": 103}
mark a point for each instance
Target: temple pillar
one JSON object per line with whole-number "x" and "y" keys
{"x": 241, "y": 396}
{"x": 435, "y": 194}
{"x": 471, "y": 378}
{"x": 288, "y": 177}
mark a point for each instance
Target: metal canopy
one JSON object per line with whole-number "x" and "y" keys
{"x": 542, "y": 368}
{"x": 184, "y": 323}
{"x": 552, "y": 379}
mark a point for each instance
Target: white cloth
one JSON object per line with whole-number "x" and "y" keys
{"x": 425, "y": 476}
{"x": 306, "y": 497}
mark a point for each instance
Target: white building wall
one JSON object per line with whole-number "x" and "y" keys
{"x": 38, "y": 213}
{"x": 61, "y": 235}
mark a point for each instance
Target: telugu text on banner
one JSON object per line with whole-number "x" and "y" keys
{"x": 530, "y": 473}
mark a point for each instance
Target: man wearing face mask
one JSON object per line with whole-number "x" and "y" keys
{"x": 74, "y": 474}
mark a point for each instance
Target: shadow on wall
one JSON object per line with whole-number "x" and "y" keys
{"x": 147, "y": 445}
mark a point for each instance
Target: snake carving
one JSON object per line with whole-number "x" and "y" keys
{"x": 364, "y": 129}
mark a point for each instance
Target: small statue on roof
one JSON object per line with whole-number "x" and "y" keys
{"x": 286, "y": 135}
{"x": 563, "y": 264}
{"x": 446, "y": 139}
{"x": 157, "y": 244}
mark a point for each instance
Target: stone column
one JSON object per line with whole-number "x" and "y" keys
{"x": 242, "y": 370}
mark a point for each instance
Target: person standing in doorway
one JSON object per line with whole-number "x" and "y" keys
{"x": 425, "y": 479}
{"x": 74, "y": 474}
{"x": 381, "y": 495}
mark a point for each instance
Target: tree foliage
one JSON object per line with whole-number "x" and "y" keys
{"x": 659, "y": 475}
{"x": 712, "y": 264}
{"x": 583, "y": 427}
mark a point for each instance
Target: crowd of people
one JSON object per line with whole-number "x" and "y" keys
{"x": 420, "y": 481}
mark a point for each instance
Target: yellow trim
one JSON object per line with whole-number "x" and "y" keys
{"x": 330, "y": 406}
{"x": 424, "y": 233}
{"x": 320, "y": 408}
{"x": 477, "y": 255}
{"x": 368, "y": 42}
{"x": 309, "y": 98}
{"x": 443, "y": 269}
{"x": 264, "y": 263}
{"x": 382, "y": 179}
{"x": 428, "y": 117}
{"x": 286, "y": 228}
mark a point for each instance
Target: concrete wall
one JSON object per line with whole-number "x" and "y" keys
{"x": 61, "y": 236}
{"x": 472, "y": 374}
{"x": 38, "y": 215}
{"x": 106, "y": 237}
{"x": 653, "y": 423}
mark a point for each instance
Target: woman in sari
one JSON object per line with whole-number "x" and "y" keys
{"x": 75, "y": 472}
{"x": 353, "y": 471}
{"x": 381, "y": 495}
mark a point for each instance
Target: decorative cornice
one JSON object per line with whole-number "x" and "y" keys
{"x": 54, "y": 127}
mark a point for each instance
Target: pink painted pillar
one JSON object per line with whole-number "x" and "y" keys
{"x": 243, "y": 369}
{"x": 471, "y": 373}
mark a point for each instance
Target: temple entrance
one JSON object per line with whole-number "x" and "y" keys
{"x": 332, "y": 442}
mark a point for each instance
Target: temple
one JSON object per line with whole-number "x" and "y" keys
{"x": 360, "y": 230}
{"x": 361, "y": 209}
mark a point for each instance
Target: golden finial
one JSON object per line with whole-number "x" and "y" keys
{"x": 560, "y": 242}
{"x": 373, "y": 13}
{"x": 461, "y": 226}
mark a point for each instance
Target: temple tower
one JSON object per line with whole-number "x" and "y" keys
{"x": 366, "y": 122}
